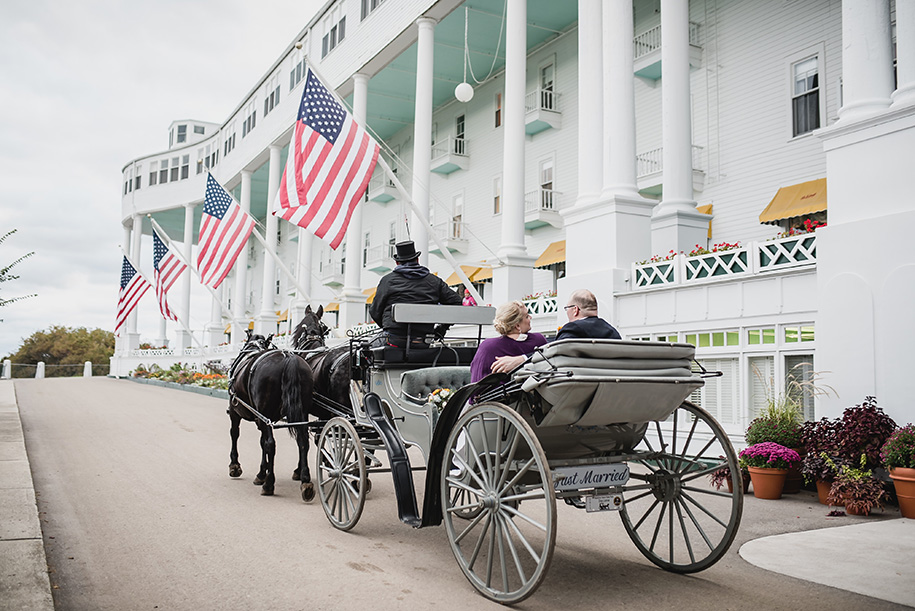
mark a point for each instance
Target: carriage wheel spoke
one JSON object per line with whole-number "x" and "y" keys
{"x": 480, "y": 539}
{"x": 695, "y": 522}
{"x": 506, "y": 523}
{"x": 646, "y": 514}
{"x": 470, "y": 527}
{"x": 521, "y": 472}
{"x": 704, "y": 510}
{"x": 657, "y": 527}
{"x": 490, "y": 467}
{"x": 524, "y": 517}
{"x": 489, "y": 553}
{"x": 502, "y": 564}
{"x": 689, "y": 545}
{"x": 523, "y": 540}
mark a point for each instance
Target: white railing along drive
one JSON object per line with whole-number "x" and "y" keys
{"x": 755, "y": 258}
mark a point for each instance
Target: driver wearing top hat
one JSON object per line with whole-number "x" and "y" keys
{"x": 410, "y": 282}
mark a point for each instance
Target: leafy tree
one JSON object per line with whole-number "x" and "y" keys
{"x": 59, "y": 345}
{"x": 6, "y": 275}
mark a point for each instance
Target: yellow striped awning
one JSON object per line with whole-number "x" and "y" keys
{"x": 796, "y": 200}
{"x": 228, "y": 329}
{"x": 484, "y": 273}
{"x": 333, "y": 306}
{"x": 282, "y": 316}
{"x": 554, "y": 253}
{"x": 371, "y": 294}
{"x": 454, "y": 279}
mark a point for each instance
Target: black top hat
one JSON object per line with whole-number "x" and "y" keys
{"x": 406, "y": 251}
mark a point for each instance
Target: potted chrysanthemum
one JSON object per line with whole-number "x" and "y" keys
{"x": 898, "y": 455}
{"x": 768, "y": 464}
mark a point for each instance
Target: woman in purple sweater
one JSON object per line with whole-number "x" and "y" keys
{"x": 511, "y": 348}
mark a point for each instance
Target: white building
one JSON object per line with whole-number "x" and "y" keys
{"x": 600, "y": 137}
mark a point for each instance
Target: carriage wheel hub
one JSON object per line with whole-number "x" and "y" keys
{"x": 490, "y": 501}
{"x": 666, "y": 486}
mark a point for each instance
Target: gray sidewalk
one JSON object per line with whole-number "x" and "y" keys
{"x": 24, "y": 583}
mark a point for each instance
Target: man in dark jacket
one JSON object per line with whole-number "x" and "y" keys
{"x": 410, "y": 282}
{"x": 583, "y": 319}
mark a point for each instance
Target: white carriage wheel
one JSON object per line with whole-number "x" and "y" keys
{"x": 342, "y": 483}
{"x": 670, "y": 511}
{"x": 495, "y": 459}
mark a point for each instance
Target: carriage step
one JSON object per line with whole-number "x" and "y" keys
{"x": 400, "y": 462}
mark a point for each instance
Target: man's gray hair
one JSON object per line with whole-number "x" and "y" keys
{"x": 584, "y": 299}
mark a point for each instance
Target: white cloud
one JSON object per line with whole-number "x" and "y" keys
{"x": 87, "y": 87}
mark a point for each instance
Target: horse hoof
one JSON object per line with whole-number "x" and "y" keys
{"x": 295, "y": 476}
{"x": 234, "y": 470}
{"x": 267, "y": 492}
{"x": 308, "y": 492}
{"x": 258, "y": 481}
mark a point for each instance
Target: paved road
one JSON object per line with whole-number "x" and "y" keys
{"x": 138, "y": 512}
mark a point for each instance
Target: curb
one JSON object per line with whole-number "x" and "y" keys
{"x": 200, "y": 390}
{"x": 24, "y": 582}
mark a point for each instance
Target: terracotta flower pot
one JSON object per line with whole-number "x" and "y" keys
{"x": 746, "y": 483}
{"x": 904, "y": 480}
{"x": 767, "y": 483}
{"x": 795, "y": 481}
{"x": 823, "y": 490}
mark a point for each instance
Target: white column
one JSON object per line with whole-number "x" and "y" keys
{"x": 619, "y": 101}
{"x": 241, "y": 270}
{"x": 905, "y": 54}
{"x": 867, "y": 59}
{"x": 133, "y": 337}
{"x": 352, "y": 301}
{"x": 184, "y": 311}
{"x": 514, "y": 277}
{"x": 590, "y": 107}
{"x": 214, "y": 329}
{"x": 422, "y": 135}
{"x": 265, "y": 322}
{"x": 161, "y": 338}
{"x": 676, "y": 224}
{"x": 303, "y": 275}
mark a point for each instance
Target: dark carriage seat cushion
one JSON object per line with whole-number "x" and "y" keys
{"x": 416, "y": 384}
{"x": 424, "y": 356}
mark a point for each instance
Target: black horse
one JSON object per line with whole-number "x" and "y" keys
{"x": 332, "y": 367}
{"x": 277, "y": 384}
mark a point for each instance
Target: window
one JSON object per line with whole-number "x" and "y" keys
{"x": 296, "y": 73}
{"x": 800, "y": 375}
{"x": 715, "y": 339}
{"x": 498, "y": 110}
{"x": 457, "y": 216}
{"x": 805, "y": 96}
{"x": 199, "y": 129}
{"x": 546, "y": 184}
{"x": 176, "y": 163}
{"x": 136, "y": 181}
{"x": 250, "y": 120}
{"x": 366, "y": 244}
{"x": 334, "y": 31}
{"x": 720, "y": 396}
{"x": 163, "y": 171}
{"x": 229, "y": 143}
{"x": 459, "y": 135}
{"x": 547, "y": 76}
{"x": 369, "y": 6}
{"x": 153, "y": 172}
{"x": 497, "y": 195}
{"x": 757, "y": 337}
{"x": 392, "y": 238}
{"x": 185, "y": 166}
{"x": 201, "y": 160}
{"x": 273, "y": 95}
{"x": 182, "y": 134}
{"x": 762, "y": 383}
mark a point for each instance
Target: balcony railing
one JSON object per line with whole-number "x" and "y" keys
{"x": 755, "y": 258}
{"x": 652, "y": 161}
{"x": 541, "y": 99}
{"x": 542, "y": 199}
{"x": 541, "y": 305}
{"x": 380, "y": 258}
{"x": 449, "y": 146}
{"x": 451, "y": 230}
{"x": 650, "y": 40}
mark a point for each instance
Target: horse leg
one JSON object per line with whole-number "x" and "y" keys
{"x": 261, "y": 476}
{"x": 307, "y": 488}
{"x": 234, "y": 465}
{"x": 268, "y": 444}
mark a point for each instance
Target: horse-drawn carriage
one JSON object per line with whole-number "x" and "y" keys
{"x": 603, "y": 425}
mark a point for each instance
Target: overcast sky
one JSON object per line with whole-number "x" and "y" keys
{"x": 85, "y": 87}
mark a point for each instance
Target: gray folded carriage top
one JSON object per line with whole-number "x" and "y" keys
{"x": 595, "y": 382}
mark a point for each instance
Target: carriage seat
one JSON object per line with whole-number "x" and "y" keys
{"x": 417, "y": 384}
{"x": 440, "y": 355}
{"x": 600, "y": 382}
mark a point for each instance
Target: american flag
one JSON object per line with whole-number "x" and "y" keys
{"x": 133, "y": 286}
{"x": 224, "y": 231}
{"x": 328, "y": 170}
{"x": 167, "y": 269}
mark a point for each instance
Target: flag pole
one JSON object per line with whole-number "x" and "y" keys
{"x": 177, "y": 318}
{"x": 285, "y": 270}
{"x": 181, "y": 258}
{"x": 403, "y": 193}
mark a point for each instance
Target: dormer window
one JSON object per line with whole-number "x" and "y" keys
{"x": 182, "y": 134}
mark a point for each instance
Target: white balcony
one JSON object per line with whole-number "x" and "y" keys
{"x": 453, "y": 235}
{"x": 647, "y": 52}
{"x": 541, "y": 111}
{"x": 650, "y": 170}
{"x": 332, "y": 273}
{"x": 381, "y": 188}
{"x": 379, "y": 259}
{"x": 541, "y": 208}
{"x": 449, "y": 155}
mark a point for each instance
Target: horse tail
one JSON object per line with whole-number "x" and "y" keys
{"x": 296, "y": 374}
